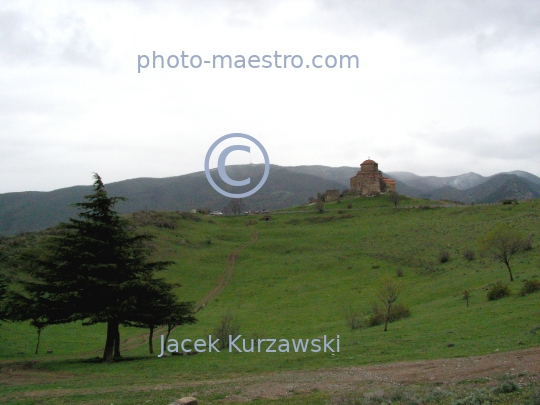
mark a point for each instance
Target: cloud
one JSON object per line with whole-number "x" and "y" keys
{"x": 490, "y": 23}
{"x": 26, "y": 40}
{"x": 484, "y": 144}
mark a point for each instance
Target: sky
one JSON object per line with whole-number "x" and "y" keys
{"x": 440, "y": 88}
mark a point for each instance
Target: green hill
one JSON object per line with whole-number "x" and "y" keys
{"x": 32, "y": 211}
{"x": 297, "y": 280}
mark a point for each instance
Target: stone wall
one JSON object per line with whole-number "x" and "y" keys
{"x": 331, "y": 195}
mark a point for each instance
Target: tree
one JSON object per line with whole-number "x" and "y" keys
{"x": 237, "y": 205}
{"x": 3, "y": 290}
{"x": 226, "y": 210}
{"x": 466, "y": 296}
{"x": 502, "y": 243}
{"x": 20, "y": 308}
{"x": 388, "y": 295}
{"x": 394, "y": 198}
{"x": 160, "y": 306}
{"x": 180, "y": 313}
{"x": 319, "y": 206}
{"x": 95, "y": 270}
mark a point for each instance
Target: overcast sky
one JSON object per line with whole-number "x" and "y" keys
{"x": 442, "y": 87}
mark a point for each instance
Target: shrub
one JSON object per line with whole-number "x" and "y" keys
{"x": 527, "y": 244}
{"x": 469, "y": 255}
{"x": 353, "y": 319}
{"x": 444, "y": 256}
{"x": 478, "y": 397}
{"x": 529, "y": 287}
{"x": 399, "y": 273}
{"x": 227, "y": 327}
{"x": 498, "y": 291}
{"x": 397, "y": 312}
{"x": 506, "y": 388}
{"x": 319, "y": 206}
{"x": 349, "y": 206}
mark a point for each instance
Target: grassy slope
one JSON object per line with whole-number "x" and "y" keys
{"x": 298, "y": 278}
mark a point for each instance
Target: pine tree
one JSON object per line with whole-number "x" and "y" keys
{"x": 96, "y": 270}
{"x": 160, "y": 306}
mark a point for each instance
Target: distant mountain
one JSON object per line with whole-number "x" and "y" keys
{"x": 286, "y": 186}
{"x": 528, "y": 176}
{"x": 430, "y": 183}
{"x": 495, "y": 188}
{"x": 339, "y": 174}
{"x": 30, "y": 211}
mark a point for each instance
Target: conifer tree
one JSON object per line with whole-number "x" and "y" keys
{"x": 160, "y": 306}
{"x": 95, "y": 270}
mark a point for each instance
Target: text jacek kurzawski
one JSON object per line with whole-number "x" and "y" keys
{"x": 240, "y": 345}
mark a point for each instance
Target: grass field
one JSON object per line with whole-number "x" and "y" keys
{"x": 297, "y": 280}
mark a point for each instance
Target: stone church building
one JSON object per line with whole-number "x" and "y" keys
{"x": 369, "y": 181}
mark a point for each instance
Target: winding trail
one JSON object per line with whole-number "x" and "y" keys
{"x": 226, "y": 277}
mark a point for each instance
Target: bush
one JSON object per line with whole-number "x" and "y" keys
{"x": 527, "y": 244}
{"x": 353, "y": 319}
{"x": 349, "y": 206}
{"x": 444, "y": 256}
{"x": 498, "y": 291}
{"x": 506, "y": 388}
{"x": 397, "y": 312}
{"x": 469, "y": 255}
{"x": 227, "y": 327}
{"x": 399, "y": 273}
{"x": 529, "y": 287}
{"x": 478, "y": 397}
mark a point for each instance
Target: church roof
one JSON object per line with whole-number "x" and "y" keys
{"x": 368, "y": 162}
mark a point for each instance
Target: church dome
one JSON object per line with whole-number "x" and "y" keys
{"x": 368, "y": 162}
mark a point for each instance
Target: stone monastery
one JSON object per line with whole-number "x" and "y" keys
{"x": 369, "y": 181}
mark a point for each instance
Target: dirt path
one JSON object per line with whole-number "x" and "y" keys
{"x": 226, "y": 277}
{"x": 523, "y": 366}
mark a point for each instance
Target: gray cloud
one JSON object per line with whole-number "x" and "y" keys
{"x": 489, "y": 23}
{"x": 479, "y": 142}
{"x": 26, "y": 40}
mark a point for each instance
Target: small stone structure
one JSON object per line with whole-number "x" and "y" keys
{"x": 369, "y": 181}
{"x": 331, "y": 195}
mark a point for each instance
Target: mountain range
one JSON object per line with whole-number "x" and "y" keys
{"x": 286, "y": 186}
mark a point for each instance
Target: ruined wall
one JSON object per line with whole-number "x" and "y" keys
{"x": 331, "y": 195}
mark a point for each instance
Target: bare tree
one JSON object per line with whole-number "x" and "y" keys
{"x": 226, "y": 330}
{"x": 237, "y": 205}
{"x": 388, "y": 295}
{"x": 226, "y": 210}
{"x": 466, "y": 296}
{"x": 394, "y": 198}
{"x": 502, "y": 243}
